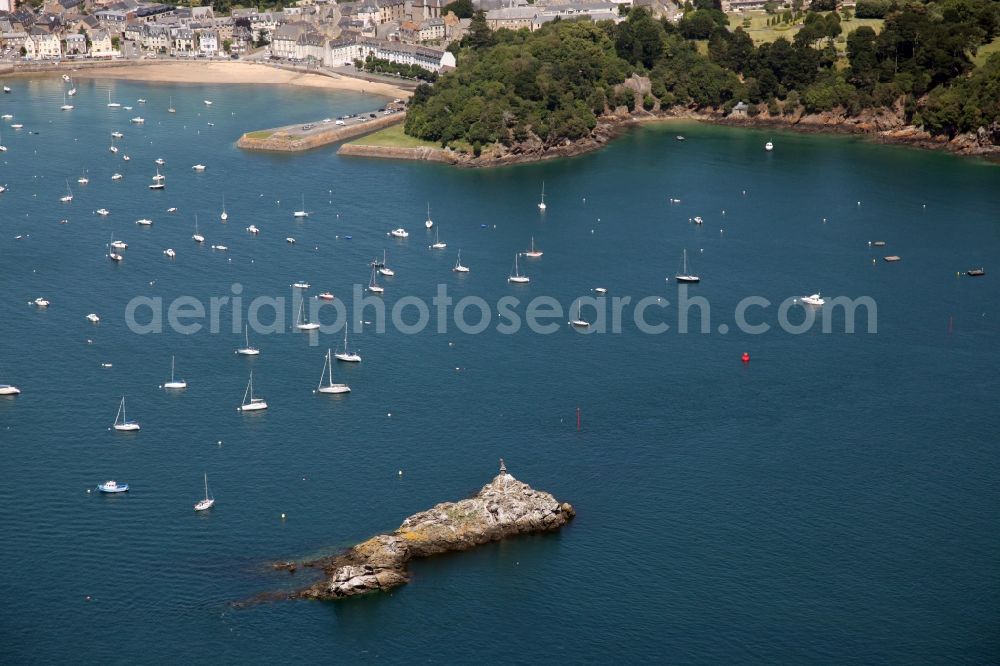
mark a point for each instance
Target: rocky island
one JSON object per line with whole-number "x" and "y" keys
{"x": 502, "y": 508}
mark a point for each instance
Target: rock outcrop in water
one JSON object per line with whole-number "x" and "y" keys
{"x": 504, "y": 507}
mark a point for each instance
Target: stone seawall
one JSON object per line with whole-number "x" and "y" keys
{"x": 393, "y": 152}
{"x": 291, "y": 139}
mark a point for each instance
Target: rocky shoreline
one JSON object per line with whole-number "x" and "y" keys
{"x": 502, "y": 508}
{"x": 878, "y": 125}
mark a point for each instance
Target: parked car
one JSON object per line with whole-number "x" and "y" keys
{"x": 340, "y": 122}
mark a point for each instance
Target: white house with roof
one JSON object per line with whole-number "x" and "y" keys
{"x": 101, "y": 45}
{"x": 208, "y": 43}
{"x": 183, "y": 40}
{"x": 75, "y": 44}
{"x": 346, "y": 51}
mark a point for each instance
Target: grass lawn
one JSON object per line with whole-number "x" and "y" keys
{"x": 262, "y": 134}
{"x": 986, "y": 51}
{"x": 393, "y": 136}
{"x": 762, "y": 33}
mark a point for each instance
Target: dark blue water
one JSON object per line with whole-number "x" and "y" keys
{"x": 836, "y": 500}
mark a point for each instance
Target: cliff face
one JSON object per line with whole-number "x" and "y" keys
{"x": 504, "y": 507}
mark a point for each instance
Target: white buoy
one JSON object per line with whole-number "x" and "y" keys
{"x": 282, "y": 516}
{"x": 400, "y": 473}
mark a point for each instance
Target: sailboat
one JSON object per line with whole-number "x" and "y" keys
{"x": 83, "y": 180}
{"x": 428, "y": 222}
{"x": 579, "y": 323}
{"x": 301, "y": 324}
{"x": 158, "y": 179}
{"x": 374, "y": 286}
{"x": 174, "y": 383}
{"x": 248, "y": 350}
{"x": 250, "y": 403}
{"x": 438, "y": 245}
{"x": 224, "y": 216}
{"x": 346, "y": 355}
{"x": 112, "y": 105}
{"x": 330, "y": 387}
{"x": 66, "y": 106}
{"x": 301, "y": 213}
{"x": 516, "y": 276}
{"x": 533, "y": 253}
{"x": 170, "y": 108}
{"x": 197, "y": 237}
{"x": 541, "y": 204}
{"x": 125, "y": 425}
{"x": 684, "y": 276}
{"x": 459, "y": 268}
{"x": 66, "y": 198}
{"x": 3, "y": 148}
{"x": 208, "y": 502}
{"x": 383, "y": 268}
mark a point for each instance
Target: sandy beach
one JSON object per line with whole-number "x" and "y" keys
{"x": 237, "y": 72}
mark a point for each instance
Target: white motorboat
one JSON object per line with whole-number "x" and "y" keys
{"x": 250, "y": 403}
{"x": 813, "y": 299}
{"x": 126, "y": 158}
{"x": 399, "y": 233}
{"x": 116, "y": 176}
{"x": 103, "y": 212}
{"x": 207, "y": 102}
{"x": 174, "y": 383}
{"x": 116, "y": 135}
{"x": 9, "y": 389}
{"x": 533, "y": 252}
{"x": 93, "y": 318}
{"x": 40, "y": 302}
{"x": 768, "y": 146}
{"x": 198, "y": 167}
{"x": 157, "y": 186}
{"x": 330, "y": 387}
{"x": 697, "y": 220}
{"x": 119, "y": 245}
{"x": 459, "y": 268}
{"x": 253, "y": 229}
{"x": 172, "y": 209}
{"x": 112, "y": 487}
{"x": 248, "y": 350}
{"x": 138, "y": 120}
{"x": 220, "y": 248}
{"x": 600, "y": 290}
{"x": 208, "y": 502}
{"x": 144, "y": 222}
{"x": 326, "y": 296}
{"x": 684, "y": 276}
{"x": 169, "y": 252}
{"x": 516, "y": 276}
{"x": 301, "y": 284}
{"x": 125, "y": 425}
{"x": 290, "y": 240}
{"x": 347, "y": 356}
{"x": 141, "y": 100}
{"x": 159, "y": 161}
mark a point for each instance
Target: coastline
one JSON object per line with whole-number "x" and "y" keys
{"x": 883, "y": 126}
{"x": 217, "y": 72}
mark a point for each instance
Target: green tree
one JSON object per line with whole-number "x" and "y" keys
{"x": 639, "y": 39}
{"x": 480, "y": 35}
{"x": 462, "y": 8}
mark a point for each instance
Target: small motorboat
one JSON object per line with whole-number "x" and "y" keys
{"x": 169, "y": 252}
{"x": 976, "y": 272}
{"x": 119, "y": 245}
{"x": 138, "y": 120}
{"x": 221, "y": 248}
{"x": 878, "y": 243}
{"x": 8, "y": 389}
{"x": 399, "y": 233}
{"x": 40, "y": 302}
{"x": 301, "y": 285}
{"x": 157, "y": 186}
{"x": 117, "y": 135}
{"x": 697, "y": 220}
{"x": 207, "y": 102}
{"x": 198, "y": 167}
{"x": 680, "y": 138}
{"x": 769, "y": 146}
{"x": 813, "y": 299}
{"x": 326, "y": 296}
{"x": 172, "y": 209}
{"x": 600, "y": 290}
{"x": 892, "y": 257}
{"x": 290, "y": 240}
{"x": 141, "y": 100}
{"x": 113, "y": 487}
{"x": 159, "y": 161}
{"x": 144, "y": 222}
{"x": 116, "y": 176}
{"x": 253, "y": 229}
{"x": 93, "y": 318}
{"x": 103, "y": 212}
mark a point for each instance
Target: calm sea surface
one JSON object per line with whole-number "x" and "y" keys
{"x": 836, "y": 500}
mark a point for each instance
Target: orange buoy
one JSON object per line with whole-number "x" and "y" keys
{"x": 746, "y": 357}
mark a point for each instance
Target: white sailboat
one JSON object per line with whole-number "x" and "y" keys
{"x": 516, "y": 276}
{"x": 83, "y": 179}
{"x": 330, "y": 387}
{"x": 684, "y": 276}
{"x": 3, "y": 148}
{"x": 438, "y": 245}
{"x": 533, "y": 253}
{"x": 577, "y": 321}
{"x": 248, "y": 350}
{"x": 174, "y": 383}
{"x": 303, "y": 212}
{"x": 224, "y": 216}
{"x": 170, "y": 107}
{"x": 541, "y": 204}
{"x": 125, "y": 425}
{"x": 197, "y": 237}
{"x": 373, "y": 286}
{"x": 250, "y": 403}
{"x": 383, "y": 268}
{"x": 112, "y": 255}
{"x": 66, "y": 106}
{"x": 346, "y": 355}
{"x": 301, "y": 323}
{"x": 428, "y": 222}
{"x": 459, "y": 268}
{"x": 112, "y": 105}
{"x": 208, "y": 502}
{"x": 66, "y": 198}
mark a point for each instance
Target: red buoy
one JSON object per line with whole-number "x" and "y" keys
{"x": 746, "y": 357}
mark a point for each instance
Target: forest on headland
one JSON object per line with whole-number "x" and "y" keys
{"x": 554, "y": 84}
